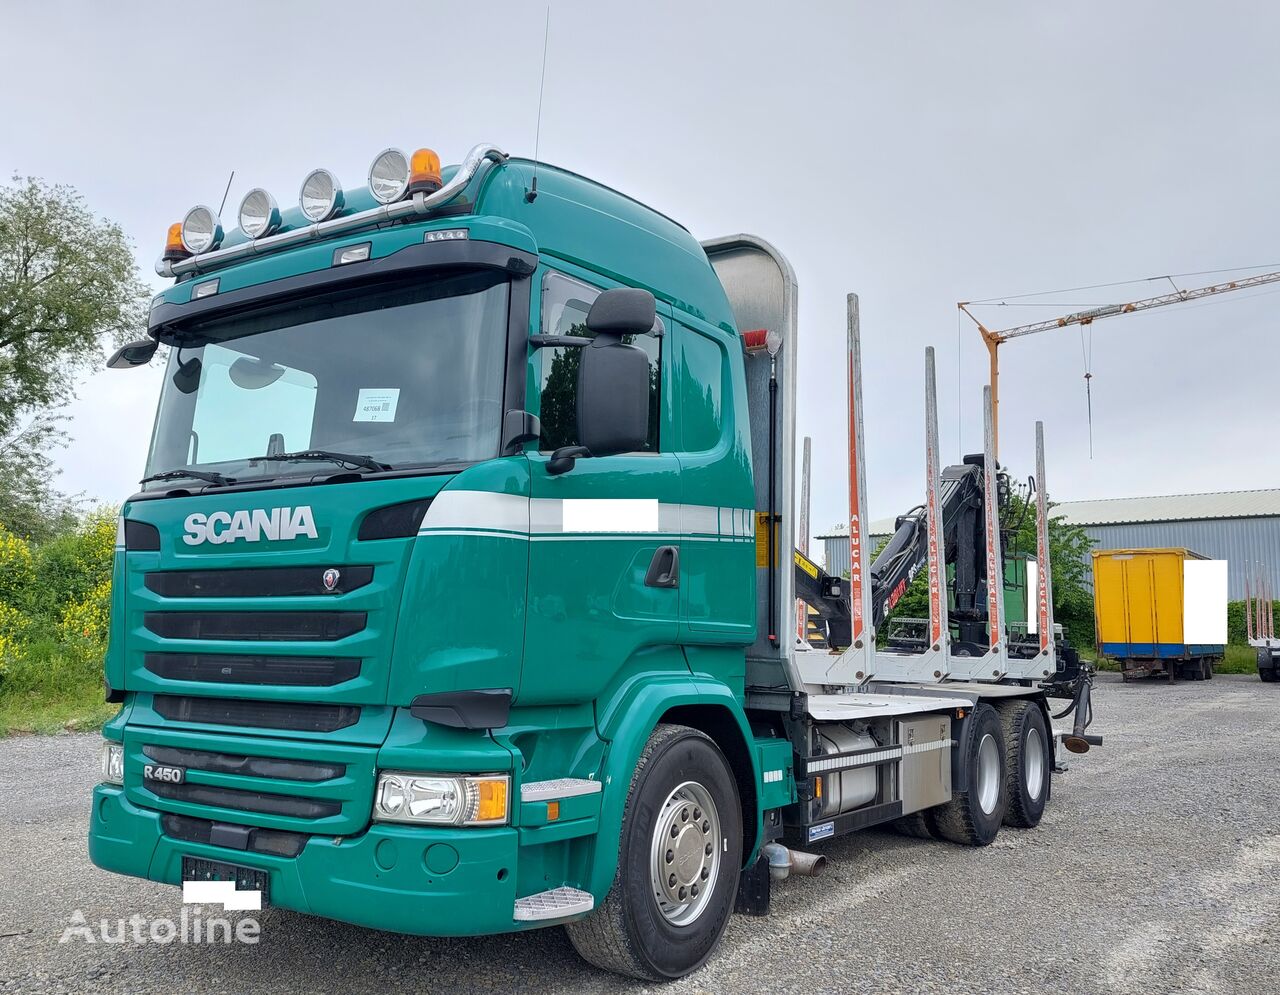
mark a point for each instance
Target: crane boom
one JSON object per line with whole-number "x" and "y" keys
{"x": 993, "y": 339}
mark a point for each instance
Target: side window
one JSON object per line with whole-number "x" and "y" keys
{"x": 701, "y": 391}
{"x": 565, "y": 303}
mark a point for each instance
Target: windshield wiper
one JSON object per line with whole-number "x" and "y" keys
{"x": 367, "y": 462}
{"x": 207, "y": 475}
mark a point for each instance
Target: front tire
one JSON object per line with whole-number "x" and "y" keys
{"x": 678, "y": 863}
{"x": 1027, "y": 753}
{"x": 973, "y": 818}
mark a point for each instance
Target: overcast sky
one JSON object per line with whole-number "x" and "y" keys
{"x": 917, "y": 154}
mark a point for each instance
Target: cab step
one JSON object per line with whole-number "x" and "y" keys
{"x": 558, "y": 903}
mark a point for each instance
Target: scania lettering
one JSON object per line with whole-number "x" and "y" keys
{"x": 459, "y": 594}
{"x": 221, "y": 526}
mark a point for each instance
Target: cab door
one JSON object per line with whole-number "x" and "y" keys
{"x": 604, "y": 543}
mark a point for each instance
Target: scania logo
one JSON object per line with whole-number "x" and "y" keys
{"x": 251, "y": 526}
{"x": 331, "y": 578}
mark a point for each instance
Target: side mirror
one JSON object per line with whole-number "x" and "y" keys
{"x": 132, "y": 354}
{"x": 613, "y": 397}
{"x": 613, "y": 379}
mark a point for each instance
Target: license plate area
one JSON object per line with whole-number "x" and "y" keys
{"x": 245, "y": 878}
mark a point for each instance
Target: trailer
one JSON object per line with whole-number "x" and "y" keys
{"x": 1259, "y": 623}
{"x": 460, "y": 594}
{"x": 1160, "y": 612}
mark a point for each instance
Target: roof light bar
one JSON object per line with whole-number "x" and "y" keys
{"x": 417, "y": 204}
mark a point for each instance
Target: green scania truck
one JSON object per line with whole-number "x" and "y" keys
{"x": 458, "y": 597}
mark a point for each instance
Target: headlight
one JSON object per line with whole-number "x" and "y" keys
{"x": 112, "y": 762}
{"x": 258, "y": 213}
{"x": 321, "y": 197}
{"x": 389, "y": 176}
{"x": 201, "y": 230}
{"x": 441, "y": 800}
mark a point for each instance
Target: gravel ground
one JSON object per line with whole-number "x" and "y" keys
{"x": 1156, "y": 869}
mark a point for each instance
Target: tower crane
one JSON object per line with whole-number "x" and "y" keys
{"x": 994, "y": 339}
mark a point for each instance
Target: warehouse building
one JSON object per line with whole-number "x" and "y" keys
{"x": 1241, "y": 527}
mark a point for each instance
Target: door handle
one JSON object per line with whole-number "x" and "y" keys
{"x": 664, "y": 568}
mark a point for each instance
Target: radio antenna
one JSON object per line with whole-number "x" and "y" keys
{"x": 532, "y": 193}
{"x": 225, "y": 192}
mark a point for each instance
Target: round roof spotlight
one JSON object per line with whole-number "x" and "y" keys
{"x": 259, "y": 214}
{"x": 321, "y": 197}
{"x": 201, "y": 230}
{"x": 389, "y": 176}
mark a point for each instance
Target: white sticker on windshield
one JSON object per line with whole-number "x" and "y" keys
{"x": 377, "y": 404}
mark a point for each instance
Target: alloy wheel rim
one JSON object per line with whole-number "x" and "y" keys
{"x": 685, "y": 854}
{"x": 988, "y": 774}
{"x": 1033, "y": 761}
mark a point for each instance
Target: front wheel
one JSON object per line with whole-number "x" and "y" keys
{"x": 678, "y": 863}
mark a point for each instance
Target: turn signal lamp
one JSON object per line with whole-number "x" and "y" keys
{"x": 173, "y": 247}
{"x": 424, "y": 172}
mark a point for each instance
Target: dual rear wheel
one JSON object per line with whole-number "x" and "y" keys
{"x": 1008, "y": 764}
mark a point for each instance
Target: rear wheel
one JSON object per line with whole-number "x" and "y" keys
{"x": 973, "y": 817}
{"x": 678, "y": 863}
{"x": 915, "y": 825}
{"x": 1026, "y": 745}
{"x": 1266, "y": 668}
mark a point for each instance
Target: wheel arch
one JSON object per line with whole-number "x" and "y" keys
{"x": 627, "y": 724}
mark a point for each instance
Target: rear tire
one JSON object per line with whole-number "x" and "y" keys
{"x": 973, "y": 817}
{"x": 915, "y": 825}
{"x": 1266, "y": 669}
{"x": 678, "y": 863}
{"x": 1027, "y": 760}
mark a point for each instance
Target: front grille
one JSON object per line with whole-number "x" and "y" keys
{"x": 228, "y": 668}
{"x": 193, "y": 830}
{"x": 256, "y": 626}
{"x": 263, "y": 714}
{"x": 245, "y": 801}
{"x": 260, "y": 582}
{"x": 235, "y": 763}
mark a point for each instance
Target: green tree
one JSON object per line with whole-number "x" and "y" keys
{"x": 69, "y": 287}
{"x": 1069, "y": 547}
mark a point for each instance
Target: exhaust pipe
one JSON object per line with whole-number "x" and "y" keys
{"x": 783, "y": 862}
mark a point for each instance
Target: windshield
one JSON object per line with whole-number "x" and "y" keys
{"x": 407, "y": 375}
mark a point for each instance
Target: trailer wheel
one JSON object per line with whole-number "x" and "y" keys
{"x": 973, "y": 817}
{"x": 1266, "y": 667}
{"x": 1026, "y": 745}
{"x": 678, "y": 863}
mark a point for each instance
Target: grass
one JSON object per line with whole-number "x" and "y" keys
{"x": 52, "y": 689}
{"x": 1236, "y": 660}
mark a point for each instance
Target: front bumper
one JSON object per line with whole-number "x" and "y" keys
{"x": 405, "y": 879}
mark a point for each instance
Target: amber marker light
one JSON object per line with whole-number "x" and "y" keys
{"x": 424, "y": 172}
{"x": 173, "y": 247}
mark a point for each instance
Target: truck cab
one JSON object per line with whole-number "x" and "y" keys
{"x": 458, "y": 596}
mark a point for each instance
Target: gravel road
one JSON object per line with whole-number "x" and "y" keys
{"x": 1156, "y": 869}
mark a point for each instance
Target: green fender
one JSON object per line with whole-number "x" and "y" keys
{"x": 626, "y": 722}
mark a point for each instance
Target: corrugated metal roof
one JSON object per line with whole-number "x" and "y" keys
{"x": 1172, "y": 508}
{"x": 1262, "y": 503}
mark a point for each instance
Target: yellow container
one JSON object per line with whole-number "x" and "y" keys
{"x": 1137, "y": 600}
